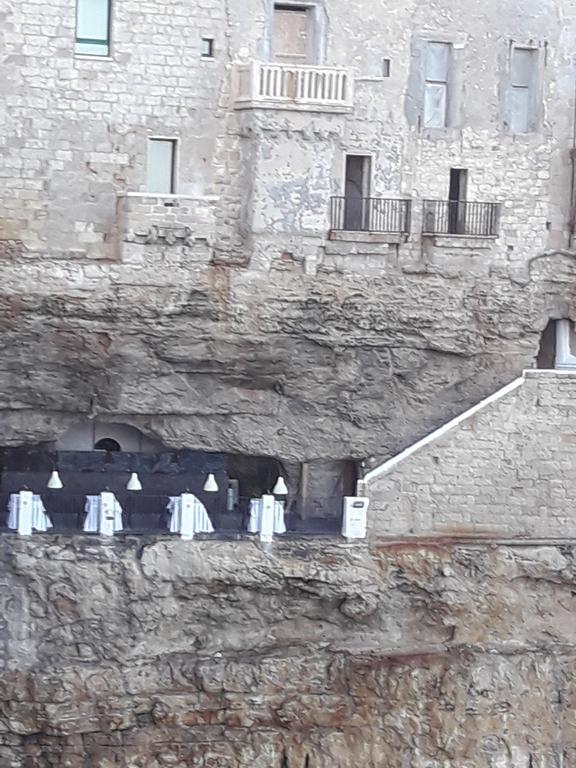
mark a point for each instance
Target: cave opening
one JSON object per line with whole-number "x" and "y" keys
{"x": 95, "y": 456}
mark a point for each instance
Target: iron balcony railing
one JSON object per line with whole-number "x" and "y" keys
{"x": 456, "y": 217}
{"x": 370, "y": 214}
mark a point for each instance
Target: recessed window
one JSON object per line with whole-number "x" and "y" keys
{"x": 93, "y": 27}
{"x": 161, "y": 166}
{"x": 457, "y": 201}
{"x": 385, "y": 67}
{"x": 207, "y": 48}
{"x": 107, "y": 444}
{"x": 292, "y": 37}
{"x": 523, "y": 76}
{"x": 437, "y": 65}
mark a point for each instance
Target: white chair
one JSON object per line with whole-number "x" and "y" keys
{"x": 27, "y": 513}
{"x": 188, "y": 516}
{"x": 266, "y": 517}
{"x": 103, "y": 514}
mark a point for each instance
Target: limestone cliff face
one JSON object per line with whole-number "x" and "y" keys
{"x": 141, "y": 653}
{"x": 231, "y": 359}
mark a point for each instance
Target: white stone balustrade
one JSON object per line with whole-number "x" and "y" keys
{"x": 281, "y": 86}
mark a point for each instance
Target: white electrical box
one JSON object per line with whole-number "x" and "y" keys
{"x": 355, "y": 518}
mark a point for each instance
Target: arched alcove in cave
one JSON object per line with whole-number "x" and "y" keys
{"x": 547, "y": 350}
{"x": 93, "y": 456}
{"x": 558, "y": 346}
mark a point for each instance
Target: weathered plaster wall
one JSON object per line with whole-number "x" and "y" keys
{"x": 150, "y": 654}
{"x": 505, "y": 469}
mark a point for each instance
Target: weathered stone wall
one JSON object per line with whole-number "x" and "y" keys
{"x": 505, "y": 468}
{"x": 267, "y": 337}
{"x": 146, "y": 654}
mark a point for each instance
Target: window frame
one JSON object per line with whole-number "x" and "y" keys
{"x": 431, "y": 83}
{"x": 107, "y": 42}
{"x": 175, "y": 141}
{"x": 210, "y": 44}
{"x": 529, "y": 90}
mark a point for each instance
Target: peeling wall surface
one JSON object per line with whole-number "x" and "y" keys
{"x": 226, "y": 655}
{"x": 228, "y": 320}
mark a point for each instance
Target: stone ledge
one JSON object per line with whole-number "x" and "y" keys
{"x": 391, "y": 238}
{"x": 465, "y": 242}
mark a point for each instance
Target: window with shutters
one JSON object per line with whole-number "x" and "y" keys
{"x": 93, "y": 27}
{"x": 523, "y": 83}
{"x": 436, "y": 85}
{"x": 161, "y": 167}
{"x": 292, "y": 34}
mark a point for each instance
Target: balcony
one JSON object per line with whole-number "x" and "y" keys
{"x": 379, "y": 219}
{"x": 286, "y": 86}
{"x": 149, "y": 219}
{"x": 461, "y": 218}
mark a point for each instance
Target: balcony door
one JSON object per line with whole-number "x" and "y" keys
{"x": 357, "y": 192}
{"x": 292, "y": 34}
{"x": 457, "y": 201}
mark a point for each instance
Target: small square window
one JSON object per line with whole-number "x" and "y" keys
{"x": 207, "y": 48}
{"x": 385, "y": 67}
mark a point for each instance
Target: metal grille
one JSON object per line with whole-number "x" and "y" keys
{"x": 370, "y": 214}
{"x": 455, "y": 217}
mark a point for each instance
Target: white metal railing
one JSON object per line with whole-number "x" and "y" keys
{"x": 286, "y": 84}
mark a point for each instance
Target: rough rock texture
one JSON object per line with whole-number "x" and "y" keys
{"x": 160, "y": 653}
{"x": 231, "y": 360}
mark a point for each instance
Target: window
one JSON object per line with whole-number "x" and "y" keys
{"x": 291, "y": 34}
{"x": 207, "y": 48}
{"x": 385, "y": 67}
{"x": 523, "y": 69}
{"x": 437, "y": 66}
{"x": 161, "y": 166}
{"x": 93, "y": 27}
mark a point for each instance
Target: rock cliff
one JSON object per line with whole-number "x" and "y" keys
{"x": 150, "y": 653}
{"x": 265, "y": 363}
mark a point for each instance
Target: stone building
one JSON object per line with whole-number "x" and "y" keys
{"x": 243, "y": 238}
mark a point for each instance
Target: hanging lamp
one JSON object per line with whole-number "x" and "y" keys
{"x": 280, "y": 489}
{"x": 210, "y": 486}
{"x": 134, "y": 483}
{"x": 54, "y": 481}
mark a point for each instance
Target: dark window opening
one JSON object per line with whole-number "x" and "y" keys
{"x": 457, "y": 201}
{"x": 547, "y": 351}
{"x": 107, "y": 444}
{"x": 207, "y": 49}
{"x": 357, "y": 192}
{"x": 386, "y": 67}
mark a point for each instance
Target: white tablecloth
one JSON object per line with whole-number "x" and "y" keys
{"x": 31, "y": 517}
{"x": 189, "y": 516}
{"x": 257, "y": 507}
{"x": 103, "y": 514}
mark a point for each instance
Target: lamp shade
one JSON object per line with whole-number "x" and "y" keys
{"x": 54, "y": 482}
{"x": 210, "y": 486}
{"x": 134, "y": 483}
{"x": 280, "y": 489}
